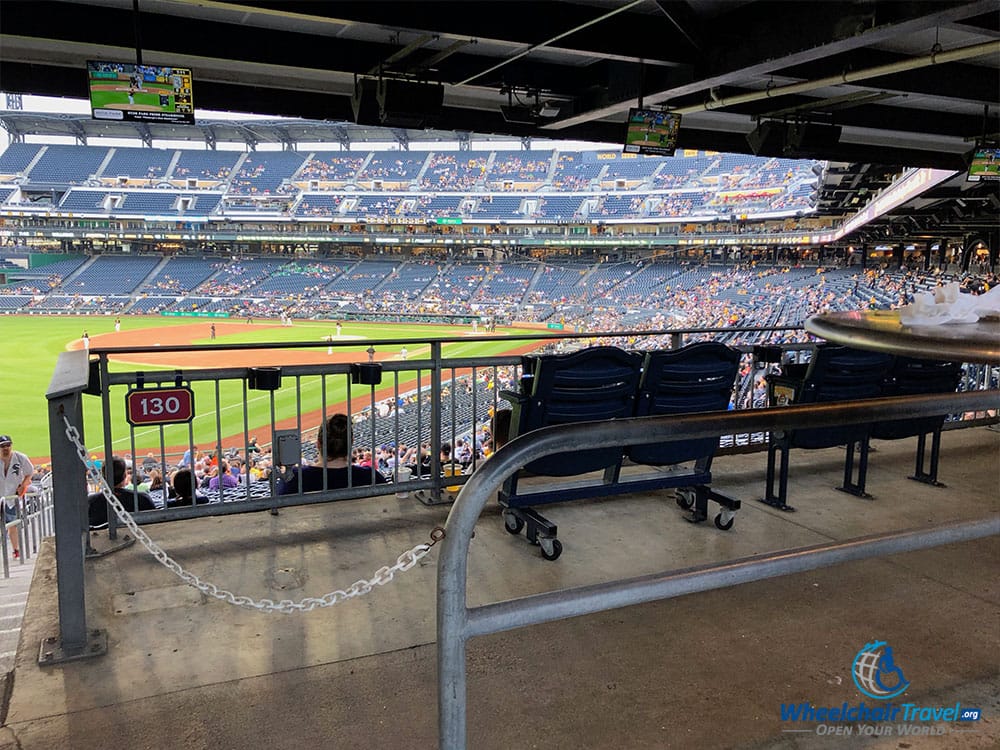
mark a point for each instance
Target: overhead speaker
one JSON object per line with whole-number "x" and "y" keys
{"x": 807, "y": 139}
{"x": 405, "y": 104}
{"x": 363, "y": 102}
{"x": 768, "y": 138}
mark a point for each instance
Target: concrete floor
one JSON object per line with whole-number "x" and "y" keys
{"x": 703, "y": 671}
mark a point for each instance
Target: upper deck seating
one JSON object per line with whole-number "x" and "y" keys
{"x": 630, "y": 168}
{"x": 332, "y": 166}
{"x": 454, "y": 170}
{"x": 17, "y": 157}
{"x": 264, "y": 172}
{"x": 67, "y": 164}
{"x": 575, "y": 170}
{"x": 524, "y": 167}
{"x": 392, "y": 166}
{"x": 140, "y": 163}
{"x": 207, "y": 166}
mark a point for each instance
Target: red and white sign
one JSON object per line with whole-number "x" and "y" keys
{"x": 159, "y": 406}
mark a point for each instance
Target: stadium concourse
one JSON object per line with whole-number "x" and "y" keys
{"x": 710, "y": 670}
{"x": 873, "y": 126}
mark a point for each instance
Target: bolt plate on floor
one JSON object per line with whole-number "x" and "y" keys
{"x": 51, "y": 650}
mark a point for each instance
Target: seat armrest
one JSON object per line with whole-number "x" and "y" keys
{"x": 513, "y": 397}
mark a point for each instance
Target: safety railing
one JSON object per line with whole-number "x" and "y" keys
{"x": 457, "y": 622}
{"x": 437, "y": 371}
{"x": 437, "y": 395}
{"x": 35, "y": 520}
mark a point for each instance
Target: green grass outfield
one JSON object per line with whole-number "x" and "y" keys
{"x": 34, "y": 342}
{"x": 148, "y": 96}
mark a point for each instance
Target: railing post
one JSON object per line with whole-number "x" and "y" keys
{"x": 436, "y": 365}
{"x": 69, "y": 492}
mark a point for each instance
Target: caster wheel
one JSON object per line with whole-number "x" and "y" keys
{"x": 512, "y": 523}
{"x": 724, "y": 525}
{"x": 551, "y": 548}
{"x": 685, "y": 499}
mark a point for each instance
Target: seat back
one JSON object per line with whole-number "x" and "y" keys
{"x": 911, "y": 377}
{"x": 591, "y": 384}
{"x": 839, "y": 373}
{"x": 696, "y": 378}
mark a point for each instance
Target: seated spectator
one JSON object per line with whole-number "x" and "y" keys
{"x": 156, "y": 483}
{"x": 332, "y": 443}
{"x": 222, "y": 479}
{"x": 446, "y": 459}
{"x": 137, "y": 480}
{"x": 97, "y": 505}
{"x": 184, "y": 491}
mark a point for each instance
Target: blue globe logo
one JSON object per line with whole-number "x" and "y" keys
{"x": 876, "y": 674}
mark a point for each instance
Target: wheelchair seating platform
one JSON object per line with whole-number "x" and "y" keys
{"x": 607, "y": 383}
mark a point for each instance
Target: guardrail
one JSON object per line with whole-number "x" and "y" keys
{"x": 457, "y": 623}
{"x": 429, "y": 422}
{"x": 35, "y": 521}
{"x": 81, "y": 372}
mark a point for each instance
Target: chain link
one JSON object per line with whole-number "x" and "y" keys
{"x": 382, "y": 576}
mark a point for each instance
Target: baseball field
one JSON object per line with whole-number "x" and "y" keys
{"x": 33, "y": 344}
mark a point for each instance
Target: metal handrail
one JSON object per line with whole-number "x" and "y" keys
{"x": 456, "y": 622}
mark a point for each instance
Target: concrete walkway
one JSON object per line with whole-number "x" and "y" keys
{"x": 13, "y": 599}
{"x": 708, "y": 670}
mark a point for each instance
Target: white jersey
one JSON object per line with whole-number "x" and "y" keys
{"x": 13, "y": 474}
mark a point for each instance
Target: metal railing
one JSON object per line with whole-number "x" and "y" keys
{"x": 431, "y": 373}
{"x": 457, "y": 622}
{"x": 35, "y": 521}
{"x": 428, "y": 384}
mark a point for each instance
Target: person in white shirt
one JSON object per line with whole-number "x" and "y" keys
{"x": 15, "y": 477}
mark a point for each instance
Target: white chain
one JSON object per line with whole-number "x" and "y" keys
{"x": 381, "y": 577}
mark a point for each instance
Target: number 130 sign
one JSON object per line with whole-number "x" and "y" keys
{"x": 159, "y": 406}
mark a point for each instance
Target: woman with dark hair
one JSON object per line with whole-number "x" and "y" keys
{"x": 185, "y": 492}
{"x": 335, "y": 470}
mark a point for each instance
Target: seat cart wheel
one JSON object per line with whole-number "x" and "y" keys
{"x": 551, "y": 548}
{"x": 724, "y": 521}
{"x": 685, "y": 498}
{"x": 512, "y": 523}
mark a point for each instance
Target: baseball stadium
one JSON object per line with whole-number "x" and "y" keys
{"x": 388, "y": 428}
